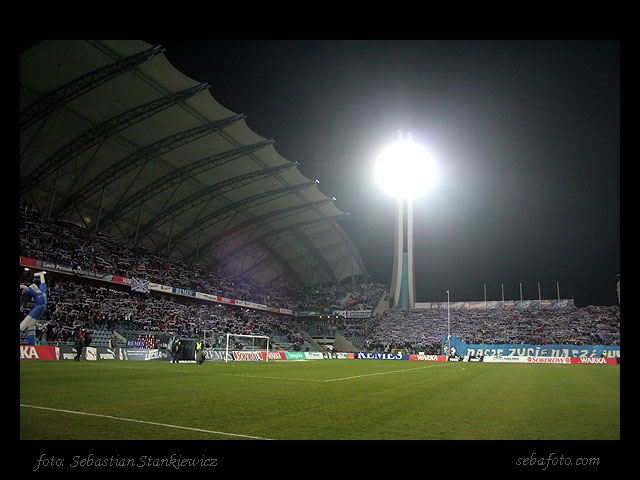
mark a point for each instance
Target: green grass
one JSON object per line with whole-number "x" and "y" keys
{"x": 324, "y": 399}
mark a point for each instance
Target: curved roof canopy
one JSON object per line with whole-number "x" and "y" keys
{"x": 116, "y": 139}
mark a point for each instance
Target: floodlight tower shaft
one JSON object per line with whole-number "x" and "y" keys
{"x": 394, "y": 292}
{"x": 403, "y": 281}
{"x": 402, "y": 294}
{"x": 411, "y": 286}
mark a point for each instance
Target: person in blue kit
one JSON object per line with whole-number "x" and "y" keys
{"x": 38, "y": 292}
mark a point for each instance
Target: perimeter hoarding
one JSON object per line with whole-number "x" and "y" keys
{"x": 41, "y": 352}
{"x": 459, "y": 347}
{"x": 37, "y": 352}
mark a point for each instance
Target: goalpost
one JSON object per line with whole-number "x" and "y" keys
{"x": 253, "y": 346}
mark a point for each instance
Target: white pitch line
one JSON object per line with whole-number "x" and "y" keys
{"x": 299, "y": 379}
{"x": 380, "y": 373}
{"x": 111, "y": 417}
{"x": 270, "y": 378}
{"x": 232, "y": 374}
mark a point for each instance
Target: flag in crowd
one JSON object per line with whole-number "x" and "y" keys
{"x": 139, "y": 285}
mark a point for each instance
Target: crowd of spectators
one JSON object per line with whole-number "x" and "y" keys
{"x": 365, "y": 296}
{"x": 80, "y": 248}
{"x": 422, "y": 329}
{"x": 90, "y": 306}
{"x": 75, "y": 302}
{"x": 69, "y": 244}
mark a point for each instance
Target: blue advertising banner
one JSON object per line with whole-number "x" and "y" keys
{"x": 458, "y": 347}
{"x": 143, "y": 354}
{"x": 183, "y": 291}
{"x": 382, "y": 356}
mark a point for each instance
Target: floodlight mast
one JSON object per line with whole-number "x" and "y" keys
{"x": 448, "y": 317}
{"x": 404, "y": 170}
{"x": 402, "y": 294}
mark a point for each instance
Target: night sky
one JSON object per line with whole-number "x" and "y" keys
{"x": 526, "y": 135}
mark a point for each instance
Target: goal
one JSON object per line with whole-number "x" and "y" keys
{"x": 253, "y": 347}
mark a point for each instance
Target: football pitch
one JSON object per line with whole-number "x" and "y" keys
{"x": 317, "y": 400}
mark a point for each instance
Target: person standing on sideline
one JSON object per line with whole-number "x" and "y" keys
{"x": 175, "y": 348}
{"x": 79, "y": 344}
{"x": 200, "y": 356}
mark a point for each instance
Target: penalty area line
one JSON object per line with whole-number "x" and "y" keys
{"x": 111, "y": 417}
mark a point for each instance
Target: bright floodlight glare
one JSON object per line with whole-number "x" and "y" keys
{"x": 405, "y": 170}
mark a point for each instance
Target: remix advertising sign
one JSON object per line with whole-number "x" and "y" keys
{"x": 382, "y": 356}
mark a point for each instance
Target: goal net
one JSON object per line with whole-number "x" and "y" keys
{"x": 247, "y": 347}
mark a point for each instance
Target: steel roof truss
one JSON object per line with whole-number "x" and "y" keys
{"x": 142, "y": 157}
{"x": 258, "y": 222}
{"x": 225, "y": 186}
{"x": 230, "y": 209}
{"x": 104, "y": 130}
{"x": 178, "y": 176}
{"x": 282, "y": 230}
{"x": 74, "y": 89}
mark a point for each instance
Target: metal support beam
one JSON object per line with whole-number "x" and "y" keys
{"x": 178, "y": 176}
{"x": 198, "y": 245}
{"x": 170, "y": 234}
{"x": 104, "y": 130}
{"x": 99, "y": 210}
{"x": 227, "y": 210}
{"x": 135, "y": 240}
{"x": 261, "y": 239}
{"x": 262, "y": 220}
{"x": 53, "y": 194}
{"x": 143, "y": 156}
{"x": 74, "y": 89}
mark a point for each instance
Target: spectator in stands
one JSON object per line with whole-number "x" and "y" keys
{"x": 77, "y": 302}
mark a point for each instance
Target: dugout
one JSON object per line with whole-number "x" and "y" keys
{"x": 188, "y": 348}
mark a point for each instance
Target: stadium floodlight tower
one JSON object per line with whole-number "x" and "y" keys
{"x": 405, "y": 171}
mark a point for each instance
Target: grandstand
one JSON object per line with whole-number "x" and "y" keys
{"x": 117, "y": 141}
{"x": 158, "y": 215}
{"x": 103, "y": 307}
{"x": 167, "y": 186}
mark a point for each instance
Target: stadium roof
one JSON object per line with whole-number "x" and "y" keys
{"x": 116, "y": 139}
